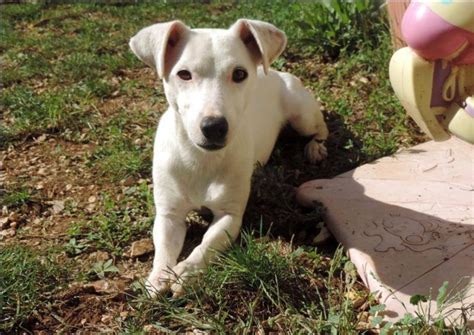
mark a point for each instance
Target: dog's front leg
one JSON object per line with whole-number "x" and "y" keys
{"x": 169, "y": 231}
{"x": 218, "y": 238}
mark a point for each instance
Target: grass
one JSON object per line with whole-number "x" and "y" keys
{"x": 260, "y": 286}
{"x": 27, "y": 280}
{"x": 15, "y": 197}
{"x": 69, "y": 78}
{"x": 115, "y": 225}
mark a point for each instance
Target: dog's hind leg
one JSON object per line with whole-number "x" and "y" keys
{"x": 304, "y": 115}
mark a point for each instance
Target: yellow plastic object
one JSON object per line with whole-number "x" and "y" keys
{"x": 412, "y": 80}
{"x": 460, "y": 123}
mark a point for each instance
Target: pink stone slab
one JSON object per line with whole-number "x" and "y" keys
{"x": 407, "y": 222}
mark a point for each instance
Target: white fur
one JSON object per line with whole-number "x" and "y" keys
{"x": 188, "y": 177}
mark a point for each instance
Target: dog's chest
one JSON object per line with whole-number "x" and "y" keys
{"x": 204, "y": 191}
{"x": 214, "y": 189}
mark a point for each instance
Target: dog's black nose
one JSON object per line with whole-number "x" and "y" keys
{"x": 214, "y": 128}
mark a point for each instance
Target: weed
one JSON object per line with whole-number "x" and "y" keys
{"x": 102, "y": 269}
{"x": 15, "y": 198}
{"x": 443, "y": 318}
{"x": 73, "y": 247}
{"x": 338, "y": 27}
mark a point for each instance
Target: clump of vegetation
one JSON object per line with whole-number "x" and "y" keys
{"x": 260, "y": 286}
{"x": 337, "y": 27}
{"x": 15, "y": 197}
{"x": 27, "y": 280}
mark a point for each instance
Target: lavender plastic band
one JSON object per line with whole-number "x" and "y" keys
{"x": 440, "y": 75}
{"x": 469, "y": 110}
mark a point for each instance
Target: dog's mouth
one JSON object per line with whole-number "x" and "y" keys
{"x": 211, "y": 146}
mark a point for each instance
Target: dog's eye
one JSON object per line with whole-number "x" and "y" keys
{"x": 239, "y": 75}
{"x": 185, "y": 75}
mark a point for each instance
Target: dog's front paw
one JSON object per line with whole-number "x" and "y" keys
{"x": 184, "y": 272}
{"x": 157, "y": 283}
{"x": 315, "y": 151}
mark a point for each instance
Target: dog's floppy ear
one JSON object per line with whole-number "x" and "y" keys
{"x": 265, "y": 41}
{"x": 156, "y": 45}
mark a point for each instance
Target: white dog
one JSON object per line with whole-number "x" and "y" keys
{"x": 226, "y": 108}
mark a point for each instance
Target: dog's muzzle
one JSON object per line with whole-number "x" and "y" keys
{"x": 215, "y": 131}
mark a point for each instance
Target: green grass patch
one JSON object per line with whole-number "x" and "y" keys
{"x": 120, "y": 153}
{"x": 119, "y": 159}
{"x": 116, "y": 225}
{"x": 259, "y": 286}
{"x": 27, "y": 280}
{"x": 15, "y": 198}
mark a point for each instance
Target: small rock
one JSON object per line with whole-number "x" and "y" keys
{"x": 357, "y": 299}
{"x": 149, "y": 328}
{"x": 323, "y": 236}
{"x": 99, "y": 256}
{"x": 92, "y": 199}
{"x": 129, "y": 181}
{"x": 90, "y": 208}
{"x": 106, "y": 318}
{"x": 4, "y": 211}
{"x": 364, "y": 316}
{"x": 42, "y": 172}
{"x": 42, "y": 138}
{"x": 7, "y": 233}
{"x": 107, "y": 286}
{"x": 364, "y": 80}
{"x": 68, "y": 187}
{"x": 13, "y": 216}
{"x": 363, "y": 326}
{"x": 13, "y": 225}
{"x": 141, "y": 247}
{"x": 58, "y": 206}
{"x": 3, "y": 222}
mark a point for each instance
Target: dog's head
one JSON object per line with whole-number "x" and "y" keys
{"x": 209, "y": 74}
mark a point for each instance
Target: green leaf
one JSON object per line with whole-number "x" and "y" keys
{"x": 376, "y": 321}
{"x": 386, "y": 327}
{"x": 415, "y": 299}
{"x": 442, "y": 294}
{"x": 407, "y": 319}
{"x": 377, "y": 308}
